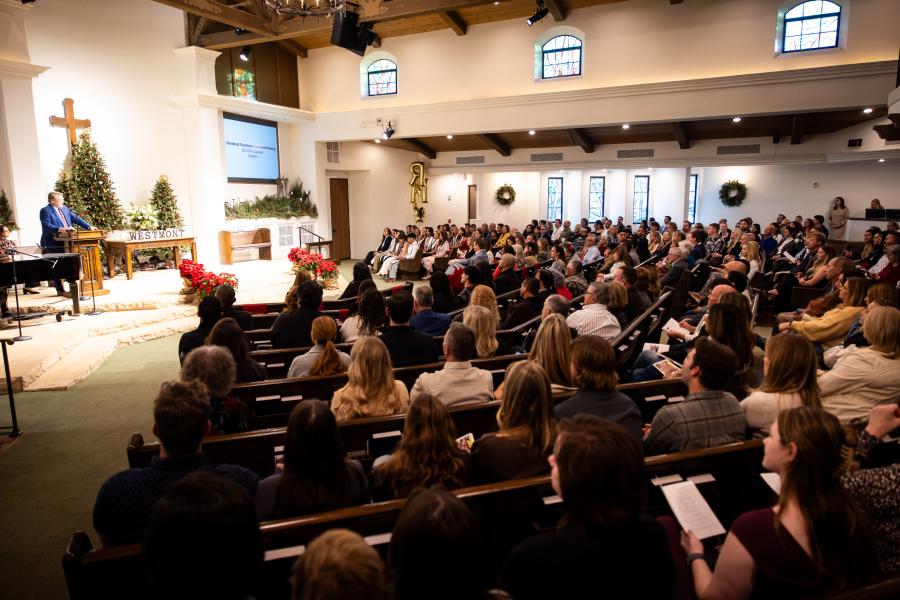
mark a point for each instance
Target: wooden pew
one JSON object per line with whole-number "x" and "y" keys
{"x": 346, "y": 303}
{"x": 229, "y": 241}
{"x": 630, "y": 341}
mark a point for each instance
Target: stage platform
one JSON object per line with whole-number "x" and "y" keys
{"x": 147, "y": 307}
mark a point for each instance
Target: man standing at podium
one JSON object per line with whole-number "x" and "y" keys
{"x": 56, "y": 219}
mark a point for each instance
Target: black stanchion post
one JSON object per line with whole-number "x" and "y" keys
{"x": 14, "y": 430}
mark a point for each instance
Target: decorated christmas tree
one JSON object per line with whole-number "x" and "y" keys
{"x": 101, "y": 207}
{"x": 6, "y": 216}
{"x": 166, "y": 205}
{"x": 65, "y": 185}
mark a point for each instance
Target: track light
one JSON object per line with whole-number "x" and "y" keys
{"x": 540, "y": 12}
{"x": 386, "y": 132}
{"x": 245, "y": 53}
{"x": 736, "y": 120}
{"x": 868, "y": 111}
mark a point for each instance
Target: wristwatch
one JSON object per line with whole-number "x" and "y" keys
{"x": 695, "y": 556}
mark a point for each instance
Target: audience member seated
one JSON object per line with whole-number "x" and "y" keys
{"x": 338, "y": 564}
{"x": 831, "y": 328}
{"x": 225, "y": 294}
{"x": 508, "y": 278}
{"x": 891, "y": 272}
{"x": 426, "y": 320}
{"x": 627, "y": 277}
{"x": 575, "y": 281}
{"x": 789, "y": 370}
{"x": 875, "y": 489}
{"x": 436, "y": 549}
{"x": 550, "y": 347}
{"x": 676, "y": 263}
{"x": 292, "y": 327}
{"x": 360, "y": 273}
{"x": 371, "y": 390}
{"x": 180, "y": 420}
{"x": 426, "y": 455}
{"x": 480, "y": 255}
{"x": 470, "y": 279}
{"x": 647, "y": 284}
{"x": 484, "y": 325}
{"x": 203, "y": 540}
{"x": 605, "y": 542}
{"x": 812, "y": 543}
{"x": 593, "y": 369}
{"x": 618, "y": 299}
{"x": 209, "y": 311}
{"x": 528, "y": 307}
{"x": 527, "y": 430}
{"x": 708, "y": 416}
{"x": 387, "y": 239}
{"x": 482, "y": 295}
{"x": 323, "y": 358}
{"x": 594, "y": 318}
{"x": 866, "y": 377}
{"x": 444, "y": 299}
{"x": 316, "y": 477}
{"x": 369, "y": 318}
{"x": 214, "y": 367}
{"x": 406, "y": 345}
{"x": 228, "y": 334}
{"x": 458, "y": 382}
{"x": 880, "y": 294}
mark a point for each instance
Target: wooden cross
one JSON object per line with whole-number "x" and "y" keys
{"x": 69, "y": 121}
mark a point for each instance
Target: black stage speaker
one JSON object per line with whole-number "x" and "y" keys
{"x": 346, "y": 32}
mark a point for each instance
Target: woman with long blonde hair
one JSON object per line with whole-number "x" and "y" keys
{"x": 371, "y": 390}
{"x": 750, "y": 253}
{"x": 484, "y": 296}
{"x": 552, "y": 350}
{"x": 484, "y": 323}
{"x": 789, "y": 380}
{"x": 323, "y": 358}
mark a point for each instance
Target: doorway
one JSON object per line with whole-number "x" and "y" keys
{"x": 339, "y": 190}
{"x": 473, "y": 203}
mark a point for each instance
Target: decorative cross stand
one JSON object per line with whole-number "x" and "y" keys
{"x": 69, "y": 121}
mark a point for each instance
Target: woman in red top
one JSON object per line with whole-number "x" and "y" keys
{"x": 813, "y": 542}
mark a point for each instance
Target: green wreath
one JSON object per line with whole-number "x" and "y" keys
{"x": 506, "y": 195}
{"x": 733, "y": 193}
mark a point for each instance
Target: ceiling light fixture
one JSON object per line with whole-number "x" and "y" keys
{"x": 867, "y": 110}
{"x": 449, "y": 136}
{"x": 540, "y": 12}
{"x": 736, "y": 120}
{"x": 306, "y": 8}
{"x": 626, "y": 126}
{"x": 531, "y": 132}
{"x": 881, "y": 160}
{"x": 377, "y": 141}
{"x": 386, "y": 132}
{"x": 245, "y": 53}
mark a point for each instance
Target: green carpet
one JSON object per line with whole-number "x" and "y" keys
{"x": 73, "y": 441}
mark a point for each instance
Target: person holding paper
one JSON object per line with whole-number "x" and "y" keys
{"x": 813, "y": 542}
{"x": 607, "y": 546}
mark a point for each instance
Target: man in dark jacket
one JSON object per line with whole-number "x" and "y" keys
{"x": 528, "y": 307}
{"x": 225, "y": 294}
{"x": 209, "y": 311}
{"x": 406, "y": 345}
{"x": 508, "y": 279}
{"x": 627, "y": 276}
{"x": 292, "y": 328}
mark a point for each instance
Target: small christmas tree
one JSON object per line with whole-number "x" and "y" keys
{"x": 65, "y": 185}
{"x": 166, "y": 205}
{"x": 102, "y": 208}
{"x": 6, "y": 216}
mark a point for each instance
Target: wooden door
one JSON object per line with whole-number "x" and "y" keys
{"x": 473, "y": 203}
{"x": 340, "y": 217}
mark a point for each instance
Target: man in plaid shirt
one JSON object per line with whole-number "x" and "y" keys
{"x": 709, "y": 416}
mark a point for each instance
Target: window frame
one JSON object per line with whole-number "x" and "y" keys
{"x": 591, "y": 179}
{"x": 781, "y": 29}
{"x": 545, "y": 52}
{"x": 786, "y": 20}
{"x": 635, "y": 219}
{"x": 693, "y": 197}
{"x": 551, "y": 217}
{"x": 370, "y": 72}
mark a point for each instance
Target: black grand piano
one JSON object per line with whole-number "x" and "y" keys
{"x": 64, "y": 265}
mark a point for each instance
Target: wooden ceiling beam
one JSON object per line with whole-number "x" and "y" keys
{"x": 222, "y": 13}
{"x": 681, "y": 135}
{"x": 494, "y": 141}
{"x": 797, "y": 127}
{"x": 555, "y": 10}
{"x": 454, "y": 21}
{"x": 396, "y": 9}
{"x": 422, "y": 147}
{"x": 294, "y": 48}
{"x": 580, "y": 137}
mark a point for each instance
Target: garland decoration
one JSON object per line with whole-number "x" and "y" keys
{"x": 733, "y": 193}
{"x": 506, "y": 195}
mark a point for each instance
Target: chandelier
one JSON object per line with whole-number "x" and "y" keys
{"x": 306, "y": 8}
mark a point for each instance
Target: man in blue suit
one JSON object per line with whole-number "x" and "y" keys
{"x": 426, "y": 320}
{"x": 56, "y": 218}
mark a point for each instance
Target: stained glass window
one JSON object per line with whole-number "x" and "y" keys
{"x": 640, "y": 198}
{"x": 692, "y": 199}
{"x": 243, "y": 82}
{"x": 597, "y": 198}
{"x": 554, "y": 198}
{"x": 382, "y": 77}
{"x": 561, "y": 57}
{"x": 811, "y": 26}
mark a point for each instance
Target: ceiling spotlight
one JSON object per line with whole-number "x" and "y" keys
{"x": 649, "y": 168}
{"x": 867, "y": 110}
{"x": 386, "y": 132}
{"x": 880, "y": 160}
{"x": 626, "y": 126}
{"x": 539, "y": 13}
{"x": 736, "y": 120}
{"x": 449, "y": 136}
{"x": 245, "y": 53}
{"x": 377, "y": 141}
{"x": 531, "y": 132}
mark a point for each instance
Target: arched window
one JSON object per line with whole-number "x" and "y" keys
{"x": 811, "y": 25}
{"x": 561, "y": 57}
{"x": 381, "y": 77}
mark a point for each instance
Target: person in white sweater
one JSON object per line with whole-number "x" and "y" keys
{"x": 789, "y": 380}
{"x": 865, "y": 377}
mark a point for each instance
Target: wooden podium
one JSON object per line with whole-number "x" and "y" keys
{"x": 87, "y": 243}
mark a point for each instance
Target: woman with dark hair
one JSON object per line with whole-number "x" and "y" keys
{"x": 369, "y": 317}
{"x": 471, "y": 278}
{"x": 228, "y": 334}
{"x": 436, "y": 549}
{"x": 360, "y": 273}
{"x": 292, "y": 328}
{"x": 444, "y": 300}
{"x": 837, "y": 216}
{"x": 426, "y": 455}
{"x": 814, "y": 542}
{"x": 605, "y": 541}
{"x": 316, "y": 475}
{"x": 323, "y": 358}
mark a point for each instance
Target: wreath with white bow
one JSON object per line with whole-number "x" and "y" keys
{"x": 506, "y": 195}
{"x": 733, "y": 193}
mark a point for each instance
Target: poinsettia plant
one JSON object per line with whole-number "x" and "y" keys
{"x": 197, "y": 280}
{"x": 304, "y": 260}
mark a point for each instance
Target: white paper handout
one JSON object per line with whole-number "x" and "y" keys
{"x": 673, "y": 326}
{"x": 691, "y": 510}
{"x": 773, "y": 480}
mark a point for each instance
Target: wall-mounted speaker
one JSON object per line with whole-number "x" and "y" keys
{"x": 346, "y": 32}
